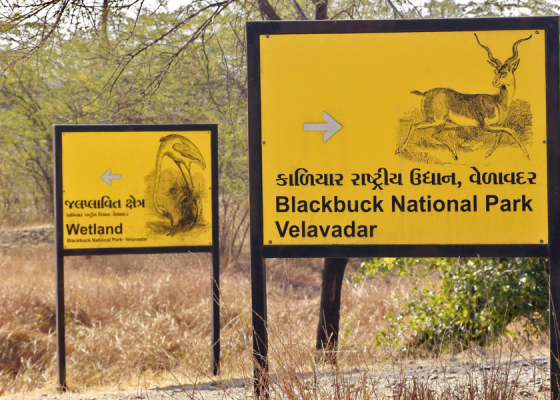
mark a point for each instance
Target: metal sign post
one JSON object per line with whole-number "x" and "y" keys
{"x": 112, "y": 196}
{"x": 408, "y": 138}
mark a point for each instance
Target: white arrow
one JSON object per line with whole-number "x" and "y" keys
{"x": 331, "y": 127}
{"x": 107, "y": 177}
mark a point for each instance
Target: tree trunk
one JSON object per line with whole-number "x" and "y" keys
{"x": 321, "y": 7}
{"x": 104, "y": 18}
{"x": 329, "y": 314}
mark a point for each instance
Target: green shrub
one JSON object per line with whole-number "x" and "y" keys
{"x": 473, "y": 303}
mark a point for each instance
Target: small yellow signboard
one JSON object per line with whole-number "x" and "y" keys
{"x": 404, "y": 138}
{"x": 129, "y": 189}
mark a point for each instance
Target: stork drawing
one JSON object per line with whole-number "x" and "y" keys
{"x": 184, "y": 153}
{"x": 444, "y": 108}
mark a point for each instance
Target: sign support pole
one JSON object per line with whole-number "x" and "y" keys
{"x": 554, "y": 331}
{"x": 215, "y": 284}
{"x": 553, "y": 140}
{"x": 215, "y": 257}
{"x": 258, "y": 267}
{"x": 260, "y": 327}
{"x": 215, "y": 311}
{"x": 60, "y": 313}
{"x": 60, "y": 323}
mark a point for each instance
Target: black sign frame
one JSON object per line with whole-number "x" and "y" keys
{"x": 61, "y": 252}
{"x": 261, "y": 251}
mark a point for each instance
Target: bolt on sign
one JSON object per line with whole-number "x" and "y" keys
{"x": 135, "y": 189}
{"x": 402, "y": 138}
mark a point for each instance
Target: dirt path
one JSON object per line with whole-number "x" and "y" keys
{"x": 524, "y": 378}
{"x": 27, "y": 237}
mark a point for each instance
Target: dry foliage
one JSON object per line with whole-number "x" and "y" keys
{"x": 131, "y": 317}
{"x": 145, "y": 320}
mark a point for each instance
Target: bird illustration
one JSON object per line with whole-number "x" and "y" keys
{"x": 184, "y": 153}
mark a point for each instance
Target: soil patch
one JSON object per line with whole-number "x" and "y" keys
{"x": 27, "y": 237}
{"x": 523, "y": 377}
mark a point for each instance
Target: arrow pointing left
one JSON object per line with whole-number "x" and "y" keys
{"x": 107, "y": 177}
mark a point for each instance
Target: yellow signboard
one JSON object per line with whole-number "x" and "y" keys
{"x": 136, "y": 189}
{"x": 404, "y": 138}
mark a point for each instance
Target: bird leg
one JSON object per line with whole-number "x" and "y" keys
{"x": 160, "y": 209}
{"x": 187, "y": 176}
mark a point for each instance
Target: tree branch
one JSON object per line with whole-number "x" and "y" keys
{"x": 267, "y": 10}
{"x": 299, "y": 11}
{"x": 397, "y": 12}
{"x": 321, "y": 7}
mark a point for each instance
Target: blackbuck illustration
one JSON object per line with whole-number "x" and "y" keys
{"x": 445, "y": 108}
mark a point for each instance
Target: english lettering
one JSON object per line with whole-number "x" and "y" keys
{"x": 335, "y": 231}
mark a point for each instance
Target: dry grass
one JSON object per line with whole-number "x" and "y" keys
{"x": 132, "y": 317}
{"x": 506, "y": 374}
{"x": 11, "y": 218}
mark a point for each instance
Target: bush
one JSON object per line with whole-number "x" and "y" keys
{"x": 473, "y": 303}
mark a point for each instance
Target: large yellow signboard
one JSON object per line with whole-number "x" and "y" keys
{"x": 404, "y": 138}
{"x": 126, "y": 189}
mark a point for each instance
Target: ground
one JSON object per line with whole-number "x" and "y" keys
{"x": 27, "y": 237}
{"x": 137, "y": 327}
{"x": 523, "y": 376}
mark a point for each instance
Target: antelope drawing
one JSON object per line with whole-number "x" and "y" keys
{"x": 445, "y": 108}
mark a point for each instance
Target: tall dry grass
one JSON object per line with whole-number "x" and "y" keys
{"x": 140, "y": 317}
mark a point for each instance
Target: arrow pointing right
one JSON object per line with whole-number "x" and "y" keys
{"x": 330, "y": 126}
